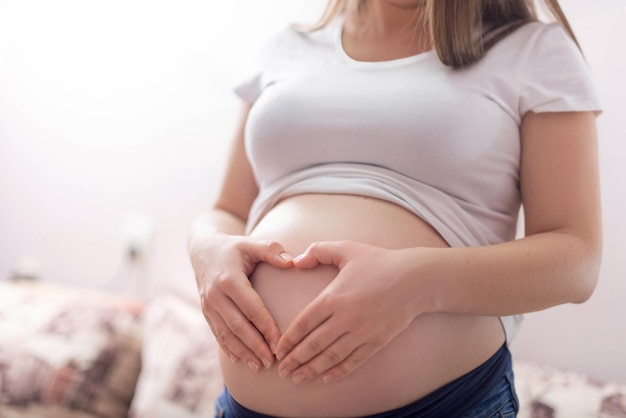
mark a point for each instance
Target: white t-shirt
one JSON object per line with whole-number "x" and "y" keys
{"x": 440, "y": 142}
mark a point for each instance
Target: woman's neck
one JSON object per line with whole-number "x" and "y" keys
{"x": 383, "y": 18}
{"x": 383, "y": 30}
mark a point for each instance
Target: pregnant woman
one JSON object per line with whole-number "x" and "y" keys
{"x": 361, "y": 258}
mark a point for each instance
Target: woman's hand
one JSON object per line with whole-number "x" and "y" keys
{"x": 370, "y": 302}
{"x": 241, "y": 323}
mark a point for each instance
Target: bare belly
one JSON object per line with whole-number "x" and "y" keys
{"x": 434, "y": 350}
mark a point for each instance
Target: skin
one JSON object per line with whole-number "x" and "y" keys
{"x": 557, "y": 262}
{"x": 386, "y": 30}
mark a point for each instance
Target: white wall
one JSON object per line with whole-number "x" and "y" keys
{"x": 592, "y": 337}
{"x": 113, "y": 113}
{"x": 115, "y": 117}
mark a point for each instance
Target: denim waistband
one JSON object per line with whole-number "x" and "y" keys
{"x": 459, "y": 396}
{"x": 453, "y": 399}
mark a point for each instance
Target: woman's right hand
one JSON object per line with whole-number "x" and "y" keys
{"x": 242, "y": 325}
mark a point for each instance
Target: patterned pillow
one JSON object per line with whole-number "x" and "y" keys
{"x": 67, "y": 352}
{"x": 180, "y": 375}
{"x": 549, "y": 393}
{"x": 181, "y": 378}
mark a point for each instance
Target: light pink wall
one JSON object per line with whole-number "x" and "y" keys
{"x": 115, "y": 118}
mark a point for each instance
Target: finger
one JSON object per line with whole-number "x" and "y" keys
{"x": 252, "y": 307}
{"x": 228, "y": 343}
{"x": 233, "y": 331}
{"x": 268, "y": 251}
{"x": 352, "y": 362}
{"x": 308, "y": 320}
{"x": 233, "y": 358}
{"x": 233, "y": 346}
{"x": 212, "y": 317}
{"x": 316, "y": 354}
{"x": 244, "y": 340}
{"x": 319, "y": 253}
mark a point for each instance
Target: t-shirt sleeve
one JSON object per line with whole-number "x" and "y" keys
{"x": 249, "y": 89}
{"x": 252, "y": 79}
{"x": 248, "y": 81}
{"x": 556, "y": 77}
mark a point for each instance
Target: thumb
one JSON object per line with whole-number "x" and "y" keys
{"x": 271, "y": 252}
{"x": 328, "y": 253}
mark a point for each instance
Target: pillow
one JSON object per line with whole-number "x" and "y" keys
{"x": 180, "y": 375}
{"x": 545, "y": 392}
{"x": 67, "y": 352}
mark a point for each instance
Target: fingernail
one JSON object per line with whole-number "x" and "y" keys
{"x": 299, "y": 377}
{"x": 285, "y": 371}
{"x": 253, "y": 366}
{"x": 281, "y": 355}
{"x": 328, "y": 378}
{"x": 298, "y": 258}
{"x": 233, "y": 358}
{"x": 266, "y": 363}
{"x": 286, "y": 256}
{"x": 273, "y": 346}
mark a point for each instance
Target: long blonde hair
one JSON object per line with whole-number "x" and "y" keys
{"x": 463, "y": 30}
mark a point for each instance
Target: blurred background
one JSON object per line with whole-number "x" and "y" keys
{"x": 115, "y": 119}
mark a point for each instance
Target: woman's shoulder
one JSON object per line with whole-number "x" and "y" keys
{"x": 291, "y": 50}
{"x": 297, "y": 37}
{"x": 536, "y": 44}
{"x": 545, "y": 68}
{"x": 537, "y": 37}
{"x": 295, "y": 48}
{"x": 536, "y": 28}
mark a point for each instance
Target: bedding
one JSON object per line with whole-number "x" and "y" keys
{"x": 69, "y": 352}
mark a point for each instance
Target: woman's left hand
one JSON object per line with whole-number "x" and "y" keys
{"x": 370, "y": 302}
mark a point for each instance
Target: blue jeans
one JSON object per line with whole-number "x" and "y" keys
{"x": 501, "y": 402}
{"x": 494, "y": 380}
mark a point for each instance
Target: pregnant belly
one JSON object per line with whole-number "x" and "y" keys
{"x": 433, "y": 350}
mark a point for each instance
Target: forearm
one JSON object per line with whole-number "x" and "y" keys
{"x": 526, "y": 275}
{"x": 212, "y": 222}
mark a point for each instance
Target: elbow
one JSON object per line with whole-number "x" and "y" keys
{"x": 588, "y": 278}
{"x": 584, "y": 291}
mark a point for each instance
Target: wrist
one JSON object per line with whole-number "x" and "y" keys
{"x": 424, "y": 266}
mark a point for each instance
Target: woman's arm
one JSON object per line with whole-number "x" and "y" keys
{"x": 557, "y": 262}
{"x": 223, "y": 259}
{"x": 559, "y": 258}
